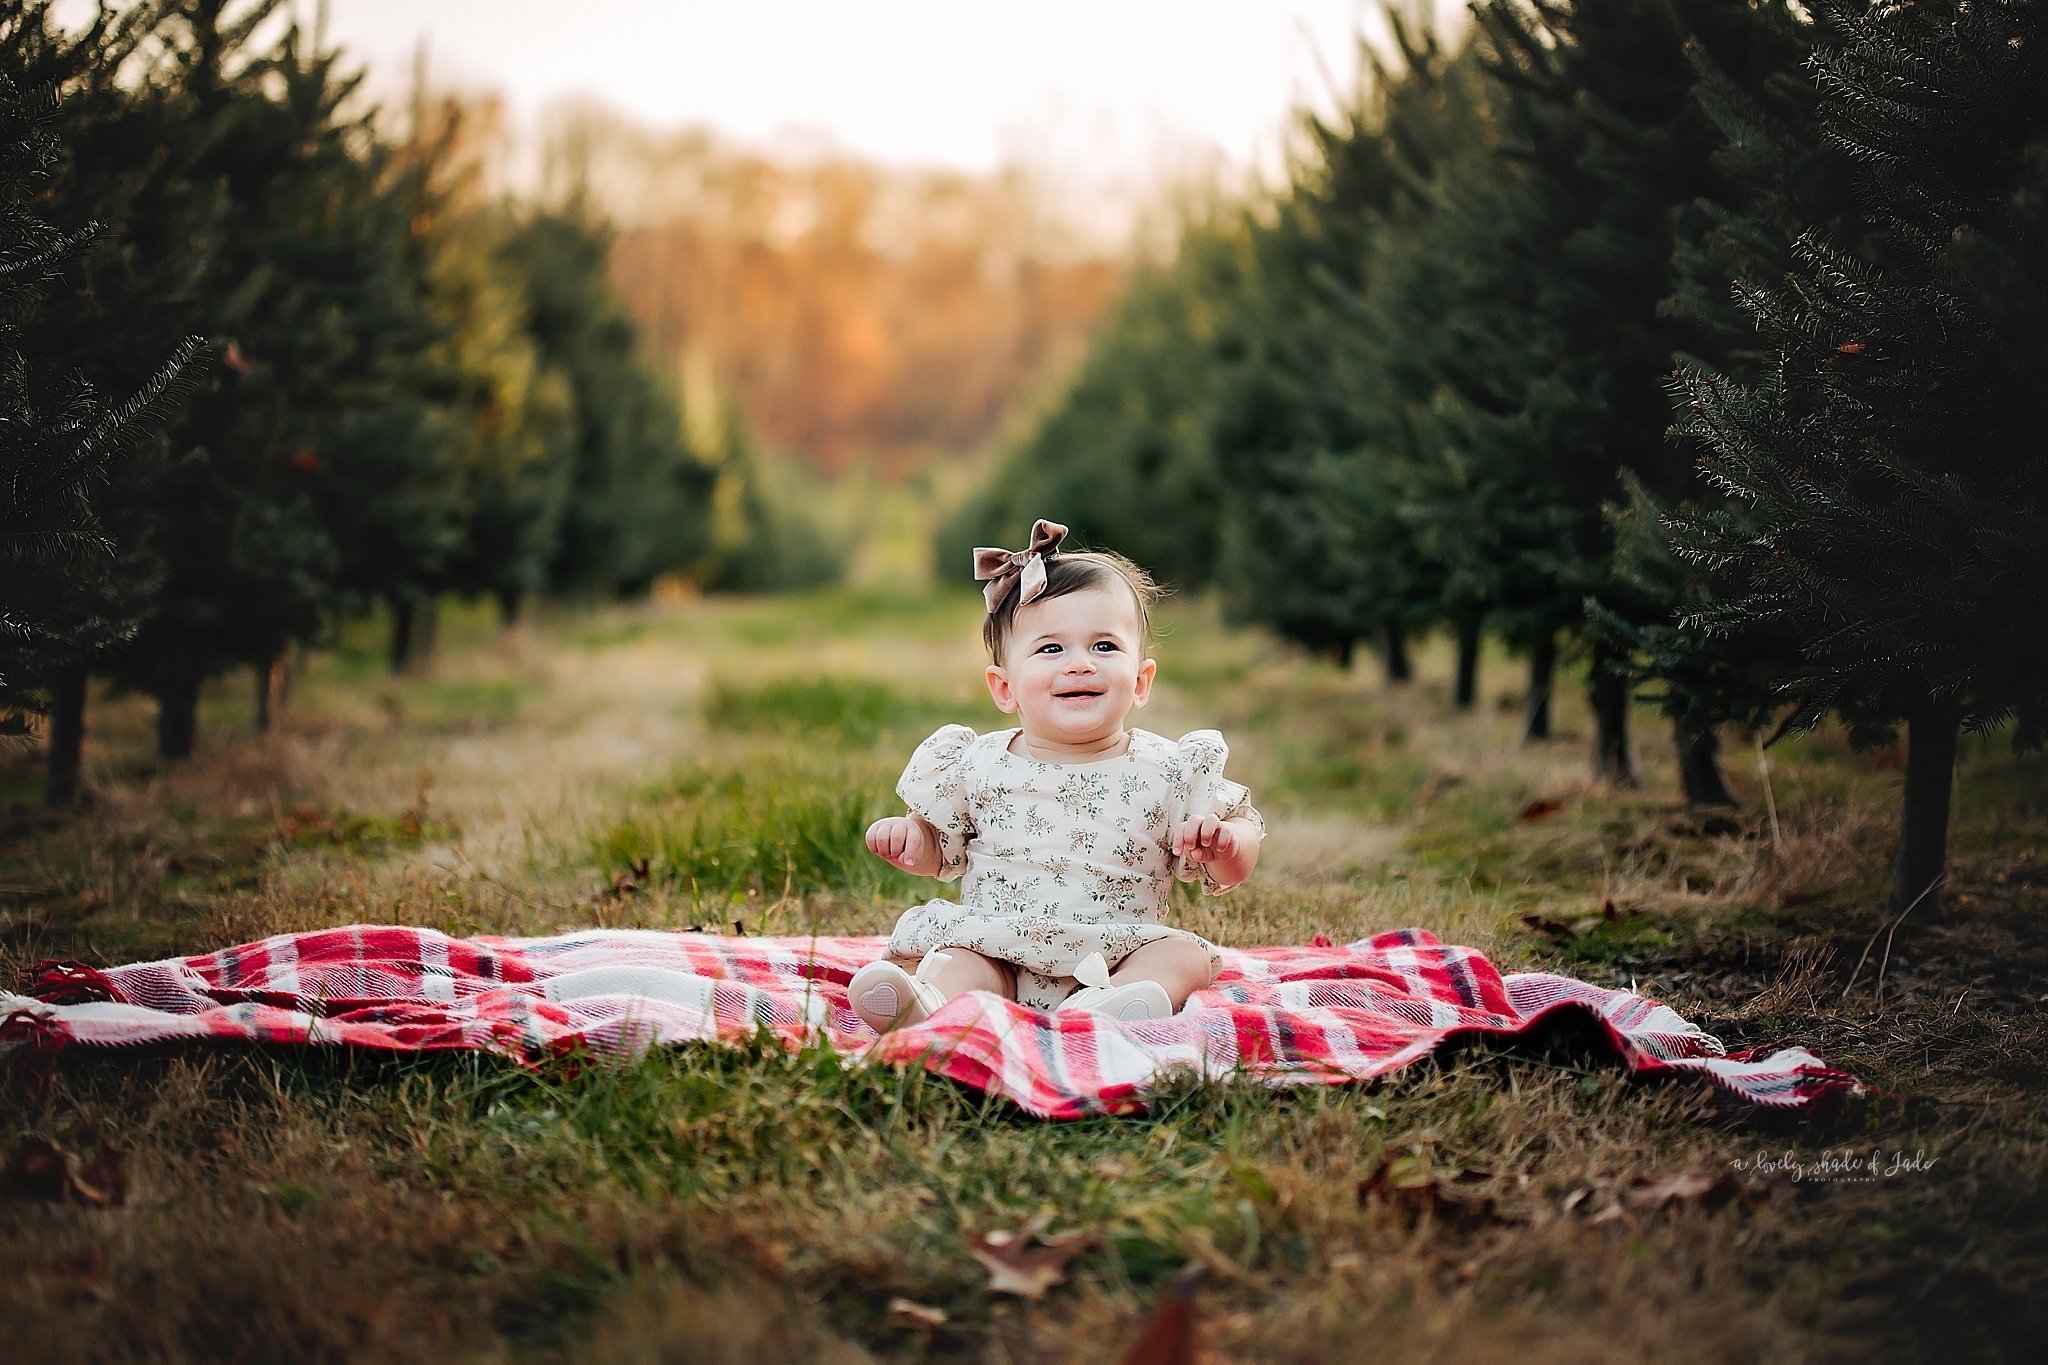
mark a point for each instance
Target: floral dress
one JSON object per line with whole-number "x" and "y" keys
{"x": 1060, "y": 860}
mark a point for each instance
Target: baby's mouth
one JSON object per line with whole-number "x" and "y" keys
{"x": 1069, "y": 696}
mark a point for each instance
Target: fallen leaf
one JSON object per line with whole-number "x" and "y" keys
{"x": 1543, "y": 924}
{"x": 1411, "y": 1183}
{"x": 1687, "y": 1187}
{"x": 39, "y": 1169}
{"x": 917, "y": 1316}
{"x": 1541, "y": 809}
{"x": 104, "y": 1179}
{"x": 36, "y": 1169}
{"x": 1168, "y": 1336}
{"x": 1016, "y": 1267}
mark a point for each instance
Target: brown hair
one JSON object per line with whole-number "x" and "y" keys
{"x": 1076, "y": 572}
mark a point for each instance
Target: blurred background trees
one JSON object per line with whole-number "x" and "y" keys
{"x": 347, "y": 375}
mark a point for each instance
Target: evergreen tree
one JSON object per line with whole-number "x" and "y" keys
{"x": 509, "y": 429}
{"x": 636, "y": 500}
{"x": 1780, "y": 178}
{"x": 249, "y": 566}
{"x": 1314, "y": 542}
{"x": 1399, "y": 359}
{"x": 1890, "y": 466}
{"x": 133, "y": 296}
{"x": 1496, "y": 497}
{"x": 1609, "y": 151}
{"x": 387, "y": 476}
{"x": 57, "y": 438}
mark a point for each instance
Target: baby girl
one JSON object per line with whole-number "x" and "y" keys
{"x": 1068, "y": 827}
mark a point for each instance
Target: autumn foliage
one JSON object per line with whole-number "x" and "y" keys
{"x": 857, "y": 311}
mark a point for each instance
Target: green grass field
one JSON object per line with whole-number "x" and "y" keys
{"x": 745, "y": 1204}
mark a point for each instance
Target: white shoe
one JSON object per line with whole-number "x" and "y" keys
{"x": 887, "y": 997}
{"x": 1134, "y": 1003}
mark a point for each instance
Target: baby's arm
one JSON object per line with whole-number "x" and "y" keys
{"x": 907, "y": 841}
{"x": 1232, "y": 845}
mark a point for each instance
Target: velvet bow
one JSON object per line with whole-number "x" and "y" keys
{"x": 1026, "y": 566}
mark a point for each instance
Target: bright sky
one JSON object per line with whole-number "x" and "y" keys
{"x": 1113, "y": 85}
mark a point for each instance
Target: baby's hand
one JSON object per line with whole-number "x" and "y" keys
{"x": 1204, "y": 839}
{"x": 902, "y": 840}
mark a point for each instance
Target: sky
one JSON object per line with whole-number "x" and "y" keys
{"x": 1111, "y": 88}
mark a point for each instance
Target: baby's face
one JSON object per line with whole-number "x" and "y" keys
{"x": 1072, "y": 668}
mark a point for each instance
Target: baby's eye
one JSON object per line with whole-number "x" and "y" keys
{"x": 1043, "y": 648}
{"x": 1109, "y": 645}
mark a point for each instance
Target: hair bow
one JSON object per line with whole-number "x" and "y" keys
{"x": 1026, "y": 566}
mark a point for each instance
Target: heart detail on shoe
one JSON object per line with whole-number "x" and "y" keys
{"x": 882, "y": 1000}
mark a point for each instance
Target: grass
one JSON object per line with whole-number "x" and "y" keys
{"x": 745, "y": 1203}
{"x": 782, "y": 828}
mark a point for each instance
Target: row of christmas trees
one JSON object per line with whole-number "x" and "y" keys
{"x": 264, "y": 363}
{"x": 1706, "y": 337}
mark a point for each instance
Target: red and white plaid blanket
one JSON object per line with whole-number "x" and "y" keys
{"x": 1317, "y": 1014}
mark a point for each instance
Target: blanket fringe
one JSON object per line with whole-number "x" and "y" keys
{"x": 29, "y": 1044}
{"x": 65, "y": 981}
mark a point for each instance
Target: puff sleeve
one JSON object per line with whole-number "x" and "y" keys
{"x": 934, "y": 785}
{"x": 1202, "y": 789}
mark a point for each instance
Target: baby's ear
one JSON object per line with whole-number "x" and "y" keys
{"x": 1143, "y": 693}
{"x": 999, "y": 689}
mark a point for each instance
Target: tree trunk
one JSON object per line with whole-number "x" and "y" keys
{"x": 1542, "y": 669}
{"x": 177, "y": 715}
{"x": 413, "y": 620}
{"x": 1466, "y": 694}
{"x": 1923, "y": 822}
{"x": 1394, "y": 653}
{"x": 67, "y": 737}
{"x": 426, "y": 633}
{"x": 270, "y": 679}
{"x": 401, "y": 633}
{"x": 1699, "y": 765}
{"x": 1612, "y": 760}
{"x": 510, "y": 602}
{"x": 1343, "y": 651}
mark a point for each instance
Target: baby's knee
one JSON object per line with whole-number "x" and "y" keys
{"x": 1183, "y": 959}
{"x": 966, "y": 969}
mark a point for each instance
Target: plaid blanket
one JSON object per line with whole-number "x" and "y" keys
{"x": 1316, "y": 1014}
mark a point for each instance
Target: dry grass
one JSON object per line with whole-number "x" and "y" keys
{"x": 743, "y": 1204}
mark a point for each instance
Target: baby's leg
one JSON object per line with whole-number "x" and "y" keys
{"x": 965, "y": 970}
{"x": 1180, "y": 966}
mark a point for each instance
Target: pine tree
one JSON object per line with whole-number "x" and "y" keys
{"x": 1779, "y": 178}
{"x": 1401, "y": 359}
{"x": 1890, "y": 466}
{"x": 634, "y": 498}
{"x": 1314, "y": 543}
{"x": 249, "y": 565}
{"x": 57, "y": 437}
{"x": 1608, "y": 149}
